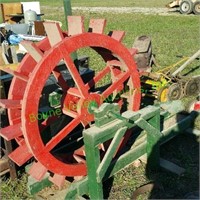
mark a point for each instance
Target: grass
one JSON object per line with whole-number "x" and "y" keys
{"x": 103, "y": 3}
{"x": 14, "y": 190}
{"x": 171, "y": 36}
{"x": 183, "y": 151}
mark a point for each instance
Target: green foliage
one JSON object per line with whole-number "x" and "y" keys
{"x": 171, "y": 35}
{"x": 103, "y": 3}
{"x": 14, "y": 189}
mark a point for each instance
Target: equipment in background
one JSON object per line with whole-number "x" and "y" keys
{"x": 186, "y": 6}
{"x": 144, "y": 56}
{"x": 168, "y": 85}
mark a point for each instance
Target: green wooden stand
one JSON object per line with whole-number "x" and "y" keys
{"x": 148, "y": 129}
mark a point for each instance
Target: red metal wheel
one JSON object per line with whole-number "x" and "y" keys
{"x": 39, "y": 64}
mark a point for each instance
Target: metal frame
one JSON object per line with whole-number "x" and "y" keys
{"x": 149, "y": 141}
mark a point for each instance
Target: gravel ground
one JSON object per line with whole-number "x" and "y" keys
{"x": 160, "y": 11}
{"x": 153, "y": 11}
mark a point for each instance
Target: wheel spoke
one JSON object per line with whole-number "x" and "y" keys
{"x": 75, "y": 74}
{"x": 47, "y": 122}
{"x": 60, "y": 79}
{"x": 98, "y": 77}
{"x": 62, "y": 134}
{"x": 115, "y": 85}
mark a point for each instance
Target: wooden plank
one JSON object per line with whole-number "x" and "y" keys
{"x": 117, "y": 35}
{"x": 37, "y": 171}
{"x": 8, "y": 103}
{"x": 10, "y": 8}
{"x": 12, "y": 166}
{"x": 4, "y": 164}
{"x": 15, "y": 73}
{"x": 13, "y": 66}
{"x": 1, "y": 58}
{"x": 11, "y": 132}
{"x": 97, "y": 25}
{"x": 14, "y": 54}
{"x": 4, "y": 172}
{"x": 58, "y": 180}
{"x": 54, "y": 32}
{"x": 20, "y": 155}
{"x": 75, "y": 25}
{"x": 39, "y": 28}
{"x": 33, "y": 50}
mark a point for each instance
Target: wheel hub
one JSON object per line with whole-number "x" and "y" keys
{"x": 185, "y": 7}
{"x": 74, "y": 106}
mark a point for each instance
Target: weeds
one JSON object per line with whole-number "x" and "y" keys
{"x": 14, "y": 189}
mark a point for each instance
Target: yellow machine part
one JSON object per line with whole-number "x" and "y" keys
{"x": 9, "y": 66}
{"x": 162, "y": 94}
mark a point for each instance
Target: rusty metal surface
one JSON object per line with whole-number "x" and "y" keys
{"x": 144, "y": 54}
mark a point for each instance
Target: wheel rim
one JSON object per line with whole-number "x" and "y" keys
{"x": 185, "y": 7}
{"x": 192, "y": 87}
{"x": 197, "y": 7}
{"x": 30, "y": 106}
{"x": 174, "y": 92}
{"x": 42, "y": 61}
{"x": 162, "y": 94}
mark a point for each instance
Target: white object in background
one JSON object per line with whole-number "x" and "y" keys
{"x": 35, "y": 38}
{"x": 22, "y": 49}
{"x": 35, "y": 6}
{"x": 2, "y": 25}
{"x": 30, "y": 16}
{"x": 17, "y": 28}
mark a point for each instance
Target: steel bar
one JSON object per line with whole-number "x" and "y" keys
{"x": 68, "y": 12}
{"x": 182, "y": 67}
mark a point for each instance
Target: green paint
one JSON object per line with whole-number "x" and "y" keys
{"x": 34, "y": 186}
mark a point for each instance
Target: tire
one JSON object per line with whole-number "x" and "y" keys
{"x": 192, "y": 87}
{"x": 175, "y": 92}
{"x": 196, "y": 8}
{"x": 186, "y": 7}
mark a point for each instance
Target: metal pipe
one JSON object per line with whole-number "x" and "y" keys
{"x": 67, "y": 9}
{"x": 182, "y": 67}
{"x": 68, "y": 12}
